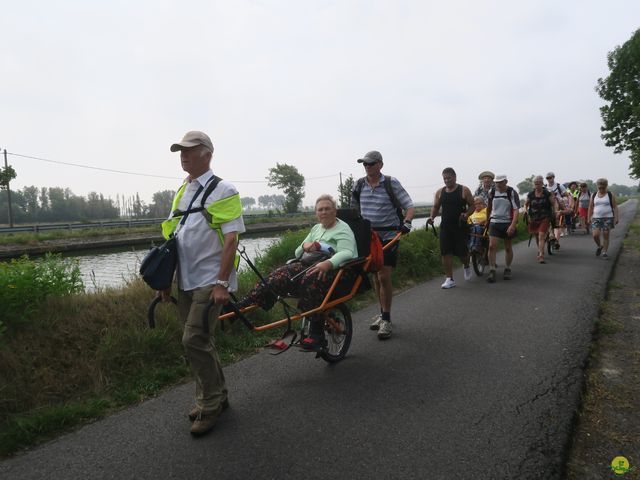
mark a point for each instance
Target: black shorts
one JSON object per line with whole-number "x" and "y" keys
{"x": 454, "y": 240}
{"x": 499, "y": 230}
{"x": 391, "y": 254}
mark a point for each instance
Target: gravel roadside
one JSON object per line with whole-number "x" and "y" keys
{"x": 608, "y": 425}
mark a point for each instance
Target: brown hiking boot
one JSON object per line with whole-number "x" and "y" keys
{"x": 193, "y": 414}
{"x": 204, "y": 422}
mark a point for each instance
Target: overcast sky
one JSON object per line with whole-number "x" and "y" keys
{"x": 501, "y": 85}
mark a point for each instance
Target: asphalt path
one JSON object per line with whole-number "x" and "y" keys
{"x": 481, "y": 382}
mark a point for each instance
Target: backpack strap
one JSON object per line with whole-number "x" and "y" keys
{"x": 212, "y": 183}
{"x": 189, "y": 210}
{"x": 210, "y": 188}
{"x": 392, "y": 196}
{"x": 388, "y": 188}
{"x": 611, "y": 202}
{"x": 357, "y": 190}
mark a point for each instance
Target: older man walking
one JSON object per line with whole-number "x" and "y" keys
{"x": 502, "y": 213}
{"x": 207, "y": 239}
{"x": 382, "y": 200}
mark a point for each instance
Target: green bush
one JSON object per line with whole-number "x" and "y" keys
{"x": 418, "y": 258}
{"x": 280, "y": 251}
{"x": 25, "y": 283}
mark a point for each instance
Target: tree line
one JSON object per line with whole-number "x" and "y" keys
{"x": 56, "y": 204}
{"x": 620, "y": 119}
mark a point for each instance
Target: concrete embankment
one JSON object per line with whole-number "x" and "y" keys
{"x": 121, "y": 240}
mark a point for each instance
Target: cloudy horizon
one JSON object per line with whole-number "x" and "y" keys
{"x": 472, "y": 85}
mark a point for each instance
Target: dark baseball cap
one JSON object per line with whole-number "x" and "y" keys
{"x": 372, "y": 156}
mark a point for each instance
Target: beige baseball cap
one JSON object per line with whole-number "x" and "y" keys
{"x": 192, "y": 139}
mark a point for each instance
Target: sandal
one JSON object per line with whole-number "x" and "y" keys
{"x": 310, "y": 344}
{"x": 541, "y": 259}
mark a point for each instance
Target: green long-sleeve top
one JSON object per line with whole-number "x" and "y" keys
{"x": 339, "y": 237}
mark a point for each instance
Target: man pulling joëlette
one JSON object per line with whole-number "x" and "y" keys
{"x": 207, "y": 242}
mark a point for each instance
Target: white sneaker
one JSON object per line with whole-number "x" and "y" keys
{"x": 384, "y": 331}
{"x": 449, "y": 283}
{"x": 375, "y": 325}
{"x": 467, "y": 273}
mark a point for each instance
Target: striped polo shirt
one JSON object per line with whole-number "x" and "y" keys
{"x": 376, "y": 206}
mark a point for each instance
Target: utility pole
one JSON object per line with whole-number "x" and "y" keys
{"x": 6, "y": 167}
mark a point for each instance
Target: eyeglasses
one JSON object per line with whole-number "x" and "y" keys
{"x": 368, "y": 164}
{"x": 549, "y": 178}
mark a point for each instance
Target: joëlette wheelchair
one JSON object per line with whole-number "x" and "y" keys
{"x": 337, "y": 324}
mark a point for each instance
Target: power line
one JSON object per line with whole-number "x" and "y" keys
{"x": 90, "y": 167}
{"x": 110, "y": 170}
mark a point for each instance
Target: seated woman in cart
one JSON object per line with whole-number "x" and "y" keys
{"x": 329, "y": 244}
{"x": 478, "y": 224}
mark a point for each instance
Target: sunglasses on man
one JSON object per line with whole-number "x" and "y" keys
{"x": 369, "y": 164}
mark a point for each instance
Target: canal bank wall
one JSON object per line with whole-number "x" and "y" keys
{"x": 62, "y": 245}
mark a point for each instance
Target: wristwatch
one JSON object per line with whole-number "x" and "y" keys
{"x": 222, "y": 283}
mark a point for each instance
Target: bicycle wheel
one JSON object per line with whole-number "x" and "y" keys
{"x": 479, "y": 262}
{"x": 338, "y": 330}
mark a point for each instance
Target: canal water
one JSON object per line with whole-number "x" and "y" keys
{"x": 112, "y": 268}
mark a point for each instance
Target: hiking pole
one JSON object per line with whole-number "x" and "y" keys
{"x": 526, "y": 222}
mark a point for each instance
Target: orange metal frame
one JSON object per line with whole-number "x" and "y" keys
{"x": 326, "y": 303}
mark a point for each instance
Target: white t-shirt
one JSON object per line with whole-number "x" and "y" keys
{"x": 557, "y": 189}
{"x": 502, "y": 208}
